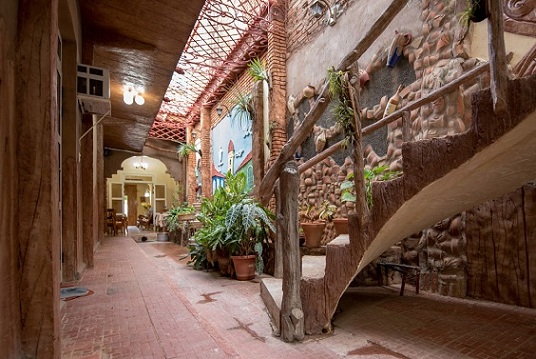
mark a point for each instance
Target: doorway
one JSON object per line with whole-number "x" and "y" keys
{"x": 131, "y": 192}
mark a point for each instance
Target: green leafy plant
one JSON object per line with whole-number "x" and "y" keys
{"x": 242, "y": 109}
{"x": 311, "y": 213}
{"x": 380, "y": 173}
{"x": 185, "y": 149}
{"x": 257, "y": 70}
{"x": 173, "y": 219}
{"x": 248, "y": 223}
{"x": 342, "y": 108}
{"x": 213, "y": 233}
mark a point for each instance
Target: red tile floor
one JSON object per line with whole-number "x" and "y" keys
{"x": 148, "y": 304}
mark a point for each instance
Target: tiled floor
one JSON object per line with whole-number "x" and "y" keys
{"x": 148, "y": 304}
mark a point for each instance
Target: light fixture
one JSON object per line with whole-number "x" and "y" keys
{"x": 318, "y": 7}
{"x": 147, "y": 193}
{"x": 141, "y": 165}
{"x": 130, "y": 96}
{"x": 219, "y": 110}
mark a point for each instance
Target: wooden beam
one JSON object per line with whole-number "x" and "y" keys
{"x": 451, "y": 86}
{"x": 322, "y": 101}
{"x": 497, "y": 56}
{"x": 292, "y": 318}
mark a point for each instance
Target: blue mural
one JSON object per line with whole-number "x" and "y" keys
{"x": 231, "y": 146}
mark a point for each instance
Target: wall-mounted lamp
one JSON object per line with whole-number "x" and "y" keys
{"x": 219, "y": 110}
{"x": 130, "y": 96}
{"x": 317, "y": 8}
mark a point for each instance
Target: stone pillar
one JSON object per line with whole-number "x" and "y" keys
{"x": 277, "y": 49}
{"x": 38, "y": 226}
{"x": 206, "y": 159}
{"x": 191, "y": 182}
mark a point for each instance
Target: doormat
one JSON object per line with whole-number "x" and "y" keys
{"x": 74, "y": 292}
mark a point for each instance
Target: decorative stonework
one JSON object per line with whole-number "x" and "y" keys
{"x": 520, "y": 17}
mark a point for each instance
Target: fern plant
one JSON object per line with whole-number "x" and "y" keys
{"x": 342, "y": 109}
{"x": 185, "y": 149}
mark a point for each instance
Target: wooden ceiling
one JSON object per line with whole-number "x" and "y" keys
{"x": 140, "y": 43}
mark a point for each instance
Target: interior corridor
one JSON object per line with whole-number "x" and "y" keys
{"x": 145, "y": 302}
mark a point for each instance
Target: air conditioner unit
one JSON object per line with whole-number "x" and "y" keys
{"x": 93, "y": 81}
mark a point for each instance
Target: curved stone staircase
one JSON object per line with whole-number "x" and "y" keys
{"x": 442, "y": 177}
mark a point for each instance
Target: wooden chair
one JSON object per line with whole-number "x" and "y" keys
{"x": 120, "y": 223}
{"x": 143, "y": 222}
{"x": 110, "y": 221}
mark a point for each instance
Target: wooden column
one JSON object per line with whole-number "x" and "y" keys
{"x": 497, "y": 56}
{"x": 38, "y": 224}
{"x": 86, "y": 151}
{"x": 292, "y": 318}
{"x": 69, "y": 167}
{"x": 10, "y": 328}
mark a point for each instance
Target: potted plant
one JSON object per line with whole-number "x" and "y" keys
{"x": 248, "y": 223}
{"x": 312, "y": 221}
{"x": 379, "y": 173}
{"x": 212, "y": 236}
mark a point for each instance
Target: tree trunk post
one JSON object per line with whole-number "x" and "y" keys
{"x": 292, "y": 318}
{"x": 497, "y": 56}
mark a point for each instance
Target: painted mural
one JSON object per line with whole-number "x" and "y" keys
{"x": 231, "y": 147}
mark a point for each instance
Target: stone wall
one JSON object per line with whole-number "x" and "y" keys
{"x": 482, "y": 253}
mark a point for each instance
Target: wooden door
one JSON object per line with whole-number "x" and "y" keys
{"x": 131, "y": 191}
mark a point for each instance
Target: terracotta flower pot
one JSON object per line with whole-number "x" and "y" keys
{"x": 313, "y": 233}
{"x": 244, "y": 266}
{"x": 341, "y": 225}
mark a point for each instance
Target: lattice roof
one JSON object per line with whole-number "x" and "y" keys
{"x": 227, "y": 35}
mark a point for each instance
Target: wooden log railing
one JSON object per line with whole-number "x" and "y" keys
{"x": 434, "y": 95}
{"x": 322, "y": 101}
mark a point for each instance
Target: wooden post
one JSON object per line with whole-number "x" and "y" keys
{"x": 292, "y": 318}
{"x": 497, "y": 56}
{"x": 278, "y": 245}
{"x": 406, "y": 126}
{"x": 357, "y": 154}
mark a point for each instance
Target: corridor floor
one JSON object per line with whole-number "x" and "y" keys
{"x": 147, "y": 303}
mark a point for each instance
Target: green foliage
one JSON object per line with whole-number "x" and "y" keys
{"x": 185, "y": 149}
{"x": 312, "y": 213}
{"x": 248, "y": 223}
{"x": 242, "y": 109}
{"x": 213, "y": 234}
{"x": 257, "y": 70}
{"x": 380, "y": 173}
{"x": 342, "y": 109}
{"x": 172, "y": 219}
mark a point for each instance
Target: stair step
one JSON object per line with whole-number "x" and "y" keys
{"x": 313, "y": 267}
{"x": 340, "y": 240}
{"x": 272, "y": 296}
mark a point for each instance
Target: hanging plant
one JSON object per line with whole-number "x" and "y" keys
{"x": 342, "y": 109}
{"x": 242, "y": 109}
{"x": 185, "y": 149}
{"x": 257, "y": 70}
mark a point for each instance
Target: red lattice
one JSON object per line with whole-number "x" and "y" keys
{"x": 227, "y": 35}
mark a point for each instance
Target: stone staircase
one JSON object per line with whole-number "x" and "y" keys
{"x": 442, "y": 177}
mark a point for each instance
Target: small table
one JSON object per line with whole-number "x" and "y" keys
{"x": 401, "y": 268}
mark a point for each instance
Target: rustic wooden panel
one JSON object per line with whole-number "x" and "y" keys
{"x": 499, "y": 246}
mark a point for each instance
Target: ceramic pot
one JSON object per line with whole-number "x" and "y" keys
{"x": 341, "y": 225}
{"x": 244, "y": 266}
{"x": 313, "y": 233}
